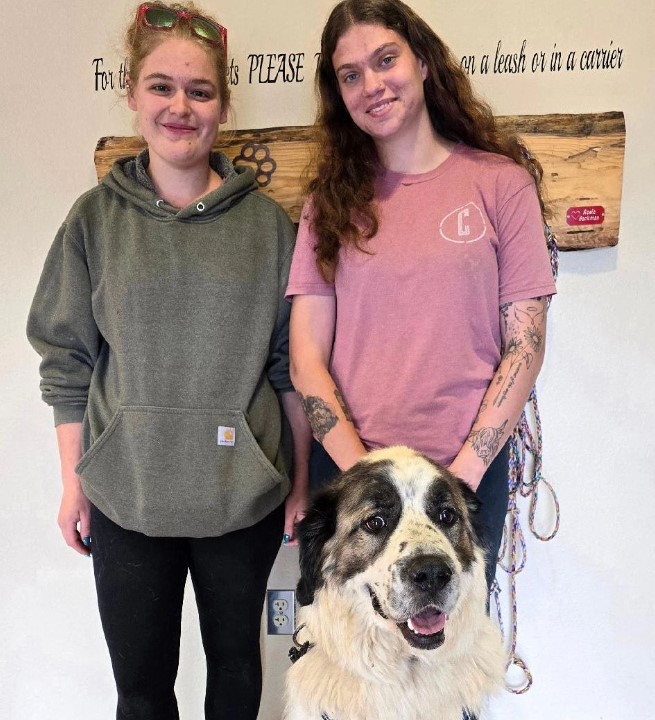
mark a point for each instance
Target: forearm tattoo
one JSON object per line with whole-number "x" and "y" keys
{"x": 524, "y": 330}
{"x": 342, "y": 404}
{"x": 320, "y": 415}
{"x": 485, "y": 441}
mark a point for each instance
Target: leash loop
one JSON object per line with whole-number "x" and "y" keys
{"x": 525, "y": 479}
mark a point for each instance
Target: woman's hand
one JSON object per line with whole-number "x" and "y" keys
{"x": 298, "y": 499}
{"x": 295, "y": 509}
{"x": 471, "y": 475}
{"x": 75, "y": 510}
{"x": 75, "y": 515}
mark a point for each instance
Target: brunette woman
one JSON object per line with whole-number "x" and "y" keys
{"x": 421, "y": 275}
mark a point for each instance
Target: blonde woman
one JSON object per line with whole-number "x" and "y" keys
{"x": 163, "y": 332}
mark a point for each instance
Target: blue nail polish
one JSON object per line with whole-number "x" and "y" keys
{"x": 86, "y": 541}
{"x": 286, "y": 538}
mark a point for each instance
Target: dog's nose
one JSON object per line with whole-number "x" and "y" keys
{"x": 429, "y": 573}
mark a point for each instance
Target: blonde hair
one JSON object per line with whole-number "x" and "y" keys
{"x": 140, "y": 41}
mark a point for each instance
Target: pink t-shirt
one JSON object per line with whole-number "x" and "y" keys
{"x": 417, "y": 337}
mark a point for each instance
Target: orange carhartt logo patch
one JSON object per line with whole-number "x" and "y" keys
{"x": 226, "y": 436}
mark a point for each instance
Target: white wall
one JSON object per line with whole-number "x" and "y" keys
{"x": 586, "y": 622}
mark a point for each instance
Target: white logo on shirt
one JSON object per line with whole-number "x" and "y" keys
{"x": 462, "y": 229}
{"x": 464, "y": 225}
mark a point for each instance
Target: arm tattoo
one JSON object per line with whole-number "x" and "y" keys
{"x": 504, "y": 311}
{"x": 533, "y": 317}
{"x": 320, "y": 415}
{"x": 342, "y": 404}
{"x": 534, "y": 338}
{"x": 518, "y": 322}
{"x": 485, "y": 442}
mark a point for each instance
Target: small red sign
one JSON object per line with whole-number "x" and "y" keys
{"x": 591, "y": 215}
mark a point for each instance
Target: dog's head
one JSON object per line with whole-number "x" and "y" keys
{"x": 403, "y": 531}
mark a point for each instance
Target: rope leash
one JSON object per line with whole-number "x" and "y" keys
{"x": 512, "y": 557}
{"x": 523, "y": 483}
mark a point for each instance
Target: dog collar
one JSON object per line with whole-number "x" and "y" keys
{"x": 300, "y": 649}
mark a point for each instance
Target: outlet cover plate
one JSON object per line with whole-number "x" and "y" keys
{"x": 281, "y": 622}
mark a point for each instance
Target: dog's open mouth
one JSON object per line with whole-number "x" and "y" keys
{"x": 425, "y": 630}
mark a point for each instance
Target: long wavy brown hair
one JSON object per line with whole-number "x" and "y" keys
{"x": 347, "y": 162}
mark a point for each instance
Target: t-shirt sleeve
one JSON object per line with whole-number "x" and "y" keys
{"x": 305, "y": 277}
{"x": 523, "y": 261}
{"x": 277, "y": 367}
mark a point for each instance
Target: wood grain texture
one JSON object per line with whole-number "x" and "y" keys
{"x": 582, "y": 156}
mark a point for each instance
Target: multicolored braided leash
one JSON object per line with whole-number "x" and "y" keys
{"x": 525, "y": 479}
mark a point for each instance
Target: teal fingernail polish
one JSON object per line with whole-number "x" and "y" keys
{"x": 86, "y": 541}
{"x": 286, "y": 538}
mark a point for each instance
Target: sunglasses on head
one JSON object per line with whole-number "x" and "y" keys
{"x": 159, "y": 17}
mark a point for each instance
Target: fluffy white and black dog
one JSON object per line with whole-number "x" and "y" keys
{"x": 394, "y": 622}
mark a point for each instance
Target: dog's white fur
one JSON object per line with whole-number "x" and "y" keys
{"x": 360, "y": 666}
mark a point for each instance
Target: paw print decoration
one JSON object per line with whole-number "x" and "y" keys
{"x": 258, "y": 155}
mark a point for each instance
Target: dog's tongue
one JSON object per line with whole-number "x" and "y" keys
{"x": 428, "y": 621}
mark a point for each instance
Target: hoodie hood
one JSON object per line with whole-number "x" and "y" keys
{"x": 129, "y": 179}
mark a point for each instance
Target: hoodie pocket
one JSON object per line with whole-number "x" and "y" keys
{"x": 173, "y": 471}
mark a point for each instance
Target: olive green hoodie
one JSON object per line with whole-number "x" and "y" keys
{"x": 166, "y": 333}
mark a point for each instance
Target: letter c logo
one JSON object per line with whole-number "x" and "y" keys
{"x": 466, "y": 224}
{"x": 463, "y": 230}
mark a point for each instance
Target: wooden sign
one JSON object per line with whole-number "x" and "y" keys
{"x": 582, "y": 158}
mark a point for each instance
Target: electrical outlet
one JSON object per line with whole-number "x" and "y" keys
{"x": 280, "y": 605}
{"x": 281, "y": 612}
{"x": 280, "y": 621}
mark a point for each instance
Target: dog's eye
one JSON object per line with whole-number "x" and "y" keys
{"x": 448, "y": 516}
{"x": 374, "y": 524}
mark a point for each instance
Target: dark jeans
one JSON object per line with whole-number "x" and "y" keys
{"x": 140, "y": 583}
{"x": 493, "y": 493}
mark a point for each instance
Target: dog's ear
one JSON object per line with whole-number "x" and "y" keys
{"x": 313, "y": 531}
{"x": 473, "y": 503}
{"x": 472, "y": 500}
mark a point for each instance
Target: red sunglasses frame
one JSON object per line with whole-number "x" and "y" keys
{"x": 141, "y": 19}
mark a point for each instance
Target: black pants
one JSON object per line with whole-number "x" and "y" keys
{"x": 140, "y": 583}
{"x": 493, "y": 492}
